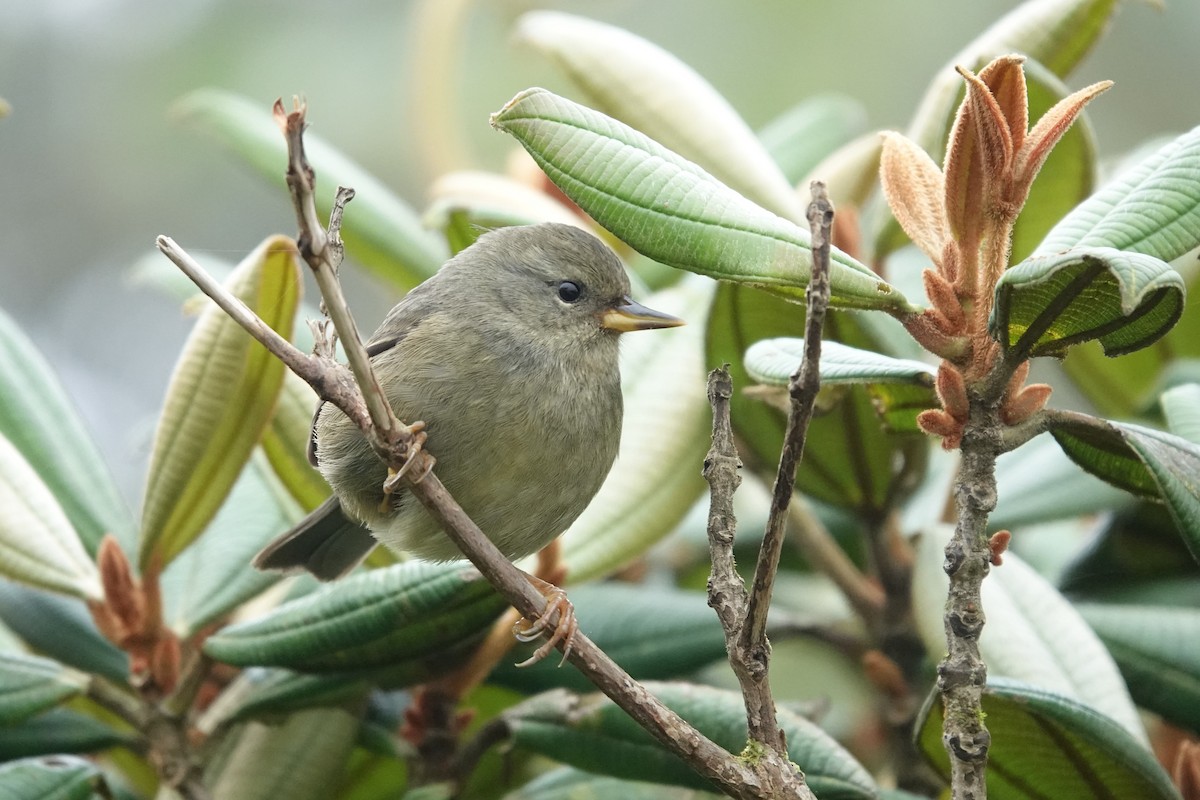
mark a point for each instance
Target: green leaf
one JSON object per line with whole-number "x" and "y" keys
{"x": 379, "y": 228}
{"x": 1033, "y": 634}
{"x": 1181, "y": 405}
{"x": 799, "y": 138}
{"x": 213, "y": 576}
{"x": 1047, "y": 303}
{"x": 653, "y": 632}
{"x": 1152, "y": 208}
{"x": 57, "y": 731}
{"x": 60, "y": 627}
{"x": 407, "y": 612}
{"x": 667, "y": 422}
{"x": 218, "y": 404}
{"x": 1037, "y": 483}
{"x": 773, "y": 361}
{"x": 1056, "y": 34}
{"x": 652, "y": 91}
{"x": 593, "y": 734}
{"x": 29, "y": 685}
{"x": 371, "y": 776}
{"x": 38, "y": 545}
{"x": 566, "y": 783}
{"x": 41, "y": 423}
{"x": 465, "y": 204}
{"x": 274, "y": 692}
{"x": 1158, "y": 651}
{"x": 51, "y": 778}
{"x": 285, "y": 443}
{"x": 899, "y": 389}
{"x": 301, "y": 758}
{"x": 673, "y": 211}
{"x": 1142, "y": 461}
{"x": 1130, "y": 385}
{"x": 850, "y": 461}
{"x": 1045, "y": 745}
{"x": 1136, "y": 557}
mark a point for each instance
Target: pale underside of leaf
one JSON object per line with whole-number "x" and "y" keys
{"x": 649, "y": 89}
{"x": 38, "y": 545}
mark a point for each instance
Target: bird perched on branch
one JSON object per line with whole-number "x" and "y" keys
{"x": 508, "y": 355}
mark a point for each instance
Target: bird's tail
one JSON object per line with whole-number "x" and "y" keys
{"x": 327, "y": 543}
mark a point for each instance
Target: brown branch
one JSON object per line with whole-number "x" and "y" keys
{"x": 166, "y": 736}
{"x": 743, "y": 613}
{"x": 728, "y": 597}
{"x": 330, "y": 380}
{"x": 802, "y": 388}
{"x": 708, "y": 759}
{"x": 963, "y": 673}
{"x": 323, "y": 252}
{"x": 736, "y": 777}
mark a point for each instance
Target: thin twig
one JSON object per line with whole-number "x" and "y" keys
{"x": 802, "y": 388}
{"x": 330, "y": 380}
{"x": 677, "y": 734}
{"x": 743, "y": 614}
{"x": 726, "y": 591}
{"x": 322, "y": 251}
{"x": 728, "y": 597}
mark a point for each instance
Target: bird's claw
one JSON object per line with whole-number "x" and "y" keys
{"x": 564, "y": 630}
{"x": 415, "y": 447}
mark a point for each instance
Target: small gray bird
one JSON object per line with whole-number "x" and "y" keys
{"x": 509, "y": 356}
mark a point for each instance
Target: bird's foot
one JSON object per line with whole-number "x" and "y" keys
{"x": 413, "y": 449}
{"x": 564, "y": 630}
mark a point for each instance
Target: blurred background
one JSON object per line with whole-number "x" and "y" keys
{"x": 93, "y": 166}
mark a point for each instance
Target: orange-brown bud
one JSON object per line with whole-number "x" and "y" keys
{"x": 121, "y": 593}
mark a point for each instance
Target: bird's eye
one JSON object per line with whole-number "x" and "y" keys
{"x": 569, "y": 291}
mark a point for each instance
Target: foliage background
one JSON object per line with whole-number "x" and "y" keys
{"x": 94, "y": 168}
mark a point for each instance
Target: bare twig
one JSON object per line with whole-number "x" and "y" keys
{"x": 395, "y": 446}
{"x": 728, "y": 597}
{"x": 743, "y": 613}
{"x": 802, "y": 388}
{"x": 726, "y": 591}
{"x": 322, "y": 251}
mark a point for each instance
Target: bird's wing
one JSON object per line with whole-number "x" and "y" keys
{"x": 399, "y": 322}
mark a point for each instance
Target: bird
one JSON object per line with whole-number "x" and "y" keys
{"x": 508, "y": 356}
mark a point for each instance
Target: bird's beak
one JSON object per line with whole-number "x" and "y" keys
{"x": 627, "y": 316}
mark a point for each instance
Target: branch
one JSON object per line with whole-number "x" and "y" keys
{"x": 165, "y": 733}
{"x": 803, "y": 388}
{"x": 728, "y": 597}
{"x": 323, "y": 252}
{"x": 330, "y": 380}
{"x": 743, "y": 614}
{"x": 962, "y": 674}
